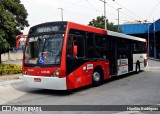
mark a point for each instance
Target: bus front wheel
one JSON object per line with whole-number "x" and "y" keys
{"x": 97, "y": 78}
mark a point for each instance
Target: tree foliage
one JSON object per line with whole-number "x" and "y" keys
{"x": 13, "y": 19}
{"x": 99, "y": 22}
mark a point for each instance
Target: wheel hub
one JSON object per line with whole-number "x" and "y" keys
{"x": 96, "y": 76}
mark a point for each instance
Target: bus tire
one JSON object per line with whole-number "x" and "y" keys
{"x": 138, "y": 67}
{"x": 97, "y": 77}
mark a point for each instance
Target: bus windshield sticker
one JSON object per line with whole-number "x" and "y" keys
{"x": 41, "y": 60}
{"x": 89, "y": 66}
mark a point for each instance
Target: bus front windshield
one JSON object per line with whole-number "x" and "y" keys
{"x": 44, "y": 49}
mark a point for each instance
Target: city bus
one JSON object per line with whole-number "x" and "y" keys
{"x": 20, "y": 41}
{"x": 66, "y": 55}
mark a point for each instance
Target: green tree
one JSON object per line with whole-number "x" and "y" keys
{"x": 13, "y": 19}
{"x": 99, "y": 23}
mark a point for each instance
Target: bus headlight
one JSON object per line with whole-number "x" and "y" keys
{"x": 56, "y": 73}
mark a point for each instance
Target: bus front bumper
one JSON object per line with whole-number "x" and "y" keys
{"x": 53, "y": 83}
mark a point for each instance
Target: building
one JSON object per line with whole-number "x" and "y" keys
{"x": 149, "y": 31}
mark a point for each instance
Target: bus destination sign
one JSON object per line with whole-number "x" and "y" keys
{"x": 48, "y": 29}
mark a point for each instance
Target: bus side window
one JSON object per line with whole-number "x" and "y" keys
{"x": 123, "y": 48}
{"x": 76, "y": 38}
{"x": 101, "y": 46}
{"x": 80, "y": 43}
{"x": 142, "y": 47}
{"x": 135, "y": 46}
{"x": 90, "y": 45}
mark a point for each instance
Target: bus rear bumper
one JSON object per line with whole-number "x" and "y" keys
{"x": 53, "y": 83}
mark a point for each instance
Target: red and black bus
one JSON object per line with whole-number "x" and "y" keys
{"x": 20, "y": 41}
{"x": 67, "y": 55}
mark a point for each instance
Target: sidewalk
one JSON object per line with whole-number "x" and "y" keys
{"x": 151, "y": 58}
{"x": 16, "y": 62}
{"x": 10, "y": 77}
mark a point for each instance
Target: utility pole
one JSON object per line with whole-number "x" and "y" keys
{"x": 105, "y": 23}
{"x": 118, "y": 19}
{"x": 154, "y": 40}
{"x": 148, "y": 41}
{"x": 61, "y": 12}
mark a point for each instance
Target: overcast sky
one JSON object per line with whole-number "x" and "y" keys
{"x": 83, "y": 11}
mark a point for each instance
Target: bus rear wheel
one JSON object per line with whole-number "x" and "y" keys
{"x": 138, "y": 68}
{"x": 97, "y": 78}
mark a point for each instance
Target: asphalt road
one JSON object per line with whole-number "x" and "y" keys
{"x": 132, "y": 89}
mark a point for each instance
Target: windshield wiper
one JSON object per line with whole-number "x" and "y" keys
{"x": 57, "y": 56}
{"x": 45, "y": 42}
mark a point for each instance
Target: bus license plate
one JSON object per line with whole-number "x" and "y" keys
{"x": 37, "y": 79}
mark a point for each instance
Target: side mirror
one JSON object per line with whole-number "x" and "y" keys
{"x": 75, "y": 50}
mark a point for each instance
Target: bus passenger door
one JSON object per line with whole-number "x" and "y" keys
{"x": 113, "y": 55}
{"x": 76, "y": 64}
{"x": 130, "y": 55}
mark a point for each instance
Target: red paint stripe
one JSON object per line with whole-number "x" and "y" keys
{"x": 123, "y": 65}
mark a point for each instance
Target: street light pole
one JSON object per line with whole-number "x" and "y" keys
{"x": 118, "y": 19}
{"x": 61, "y": 12}
{"x": 105, "y": 23}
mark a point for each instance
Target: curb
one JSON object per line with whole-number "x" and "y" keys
{"x": 154, "y": 59}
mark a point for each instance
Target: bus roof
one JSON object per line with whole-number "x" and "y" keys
{"x": 116, "y": 34}
{"x": 86, "y": 28}
{"x": 111, "y": 33}
{"x": 93, "y": 29}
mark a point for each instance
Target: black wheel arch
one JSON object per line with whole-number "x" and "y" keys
{"x": 100, "y": 70}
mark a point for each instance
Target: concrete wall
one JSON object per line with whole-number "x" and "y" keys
{"x": 12, "y": 56}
